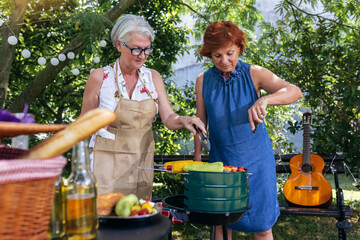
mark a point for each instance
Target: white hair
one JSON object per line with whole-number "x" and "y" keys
{"x": 129, "y": 23}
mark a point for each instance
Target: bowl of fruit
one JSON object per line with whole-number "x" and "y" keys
{"x": 130, "y": 209}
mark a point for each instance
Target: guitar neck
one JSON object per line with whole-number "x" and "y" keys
{"x": 306, "y": 145}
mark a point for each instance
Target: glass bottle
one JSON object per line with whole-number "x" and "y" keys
{"x": 57, "y": 219}
{"x": 81, "y": 213}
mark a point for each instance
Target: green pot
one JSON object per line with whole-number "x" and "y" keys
{"x": 216, "y": 191}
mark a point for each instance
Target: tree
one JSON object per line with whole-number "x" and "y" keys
{"x": 11, "y": 29}
{"x": 316, "y": 46}
{"x": 54, "y": 93}
{"x": 93, "y": 25}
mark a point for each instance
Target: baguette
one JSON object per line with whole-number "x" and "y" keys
{"x": 107, "y": 202}
{"x": 62, "y": 141}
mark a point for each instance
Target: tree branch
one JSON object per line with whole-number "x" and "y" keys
{"x": 46, "y": 76}
{"x": 319, "y": 16}
{"x": 189, "y": 7}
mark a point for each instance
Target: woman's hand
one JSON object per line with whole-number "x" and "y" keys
{"x": 257, "y": 112}
{"x": 189, "y": 122}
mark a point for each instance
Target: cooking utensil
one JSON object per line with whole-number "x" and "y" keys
{"x": 205, "y": 143}
{"x": 160, "y": 170}
{"x": 175, "y": 205}
{"x": 216, "y": 191}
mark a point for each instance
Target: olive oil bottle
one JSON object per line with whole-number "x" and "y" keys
{"x": 81, "y": 213}
{"x": 57, "y": 219}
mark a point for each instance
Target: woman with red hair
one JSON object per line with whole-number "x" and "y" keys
{"x": 228, "y": 99}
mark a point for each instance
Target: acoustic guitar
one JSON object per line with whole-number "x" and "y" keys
{"x": 307, "y": 186}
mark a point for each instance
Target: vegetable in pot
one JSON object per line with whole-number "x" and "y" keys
{"x": 206, "y": 167}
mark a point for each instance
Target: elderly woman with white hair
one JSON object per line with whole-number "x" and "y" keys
{"x": 135, "y": 94}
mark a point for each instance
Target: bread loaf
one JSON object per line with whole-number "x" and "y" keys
{"x": 62, "y": 141}
{"x": 106, "y": 203}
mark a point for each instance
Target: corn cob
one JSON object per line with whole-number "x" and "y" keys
{"x": 172, "y": 162}
{"x": 178, "y": 166}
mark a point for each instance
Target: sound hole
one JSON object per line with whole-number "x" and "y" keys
{"x": 306, "y": 168}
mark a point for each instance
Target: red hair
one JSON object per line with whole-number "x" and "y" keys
{"x": 221, "y": 34}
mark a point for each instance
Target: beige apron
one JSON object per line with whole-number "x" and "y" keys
{"x": 116, "y": 162}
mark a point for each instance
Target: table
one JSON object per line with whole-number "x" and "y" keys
{"x": 155, "y": 228}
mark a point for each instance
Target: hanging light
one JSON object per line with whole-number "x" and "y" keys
{"x": 41, "y": 61}
{"x": 26, "y": 53}
{"x": 12, "y": 40}
{"x": 70, "y": 55}
{"x": 102, "y": 43}
{"x": 75, "y": 71}
{"x": 96, "y": 59}
{"x": 54, "y": 61}
{"x": 62, "y": 57}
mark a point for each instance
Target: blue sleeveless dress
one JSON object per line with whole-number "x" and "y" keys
{"x": 234, "y": 143}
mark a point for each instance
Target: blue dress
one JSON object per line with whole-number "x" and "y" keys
{"x": 234, "y": 143}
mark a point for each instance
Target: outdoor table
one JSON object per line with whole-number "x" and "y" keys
{"x": 155, "y": 228}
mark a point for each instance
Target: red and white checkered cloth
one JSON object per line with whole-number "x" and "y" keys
{"x": 16, "y": 170}
{"x": 167, "y": 214}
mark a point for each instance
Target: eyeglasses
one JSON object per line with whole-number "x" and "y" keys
{"x": 138, "y": 51}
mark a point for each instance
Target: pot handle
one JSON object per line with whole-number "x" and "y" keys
{"x": 169, "y": 209}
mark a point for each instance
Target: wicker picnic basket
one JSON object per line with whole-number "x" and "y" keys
{"x": 26, "y": 194}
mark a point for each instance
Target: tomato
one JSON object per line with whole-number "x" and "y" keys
{"x": 134, "y": 212}
{"x": 144, "y": 211}
{"x": 240, "y": 169}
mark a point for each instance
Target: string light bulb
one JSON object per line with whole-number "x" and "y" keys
{"x": 102, "y": 43}
{"x": 54, "y": 61}
{"x": 75, "y": 71}
{"x": 41, "y": 61}
{"x": 70, "y": 55}
{"x": 62, "y": 57}
{"x": 25, "y": 53}
{"x": 12, "y": 40}
{"x": 96, "y": 59}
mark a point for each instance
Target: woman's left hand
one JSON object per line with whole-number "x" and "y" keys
{"x": 257, "y": 112}
{"x": 189, "y": 122}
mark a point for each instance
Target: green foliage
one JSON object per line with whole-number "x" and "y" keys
{"x": 320, "y": 54}
{"x": 317, "y": 49}
{"x": 52, "y": 25}
{"x": 183, "y": 103}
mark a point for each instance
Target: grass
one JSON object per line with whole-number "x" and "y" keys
{"x": 293, "y": 227}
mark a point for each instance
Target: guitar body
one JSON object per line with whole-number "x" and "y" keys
{"x": 307, "y": 188}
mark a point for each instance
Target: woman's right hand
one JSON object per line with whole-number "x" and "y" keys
{"x": 257, "y": 112}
